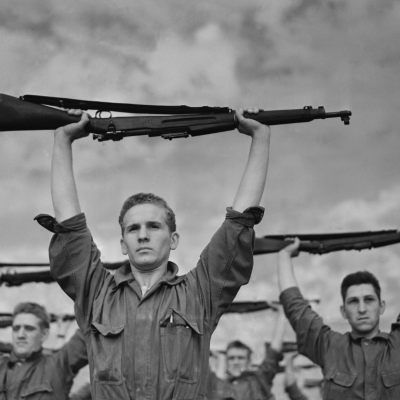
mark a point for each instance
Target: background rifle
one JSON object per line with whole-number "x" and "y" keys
{"x": 328, "y": 242}
{"x": 6, "y": 319}
{"x": 31, "y": 112}
{"x": 310, "y": 243}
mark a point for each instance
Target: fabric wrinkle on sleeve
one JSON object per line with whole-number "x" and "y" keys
{"x": 75, "y": 264}
{"x": 226, "y": 262}
{"x": 313, "y": 337}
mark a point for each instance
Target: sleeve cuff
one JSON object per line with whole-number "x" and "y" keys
{"x": 289, "y": 294}
{"x": 249, "y": 217}
{"x": 75, "y": 223}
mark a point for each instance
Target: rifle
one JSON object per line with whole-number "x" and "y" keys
{"x": 328, "y": 242}
{"x": 310, "y": 243}
{"x": 32, "y": 112}
{"x": 6, "y": 319}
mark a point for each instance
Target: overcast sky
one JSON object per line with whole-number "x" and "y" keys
{"x": 323, "y": 176}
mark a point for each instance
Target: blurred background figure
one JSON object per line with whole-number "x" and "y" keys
{"x": 29, "y": 370}
{"x": 242, "y": 380}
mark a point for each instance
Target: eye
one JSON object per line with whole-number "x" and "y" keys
{"x": 155, "y": 226}
{"x": 15, "y": 328}
{"x": 30, "y": 328}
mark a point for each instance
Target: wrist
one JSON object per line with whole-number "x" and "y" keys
{"x": 60, "y": 136}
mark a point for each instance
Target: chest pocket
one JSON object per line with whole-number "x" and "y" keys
{"x": 106, "y": 345}
{"x": 41, "y": 391}
{"x": 181, "y": 344}
{"x": 391, "y": 381}
{"x": 338, "y": 385}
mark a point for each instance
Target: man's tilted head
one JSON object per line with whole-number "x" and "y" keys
{"x": 362, "y": 304}
{"x": 30, "y": 328}
{"x": 238, "y": 358}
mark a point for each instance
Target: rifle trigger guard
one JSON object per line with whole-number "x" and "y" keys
{"x": 98, "y": 114}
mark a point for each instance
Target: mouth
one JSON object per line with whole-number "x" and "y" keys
{"x": 143, "y": 249}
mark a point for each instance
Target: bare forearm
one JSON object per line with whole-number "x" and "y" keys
{"x": 252, "y": 185}
{"x": 63, "y": 188}
{"x": 286, "y": 278}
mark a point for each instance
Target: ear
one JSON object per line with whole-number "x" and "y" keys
{"x": 45, "y": 334}
{"x": 382, "y": 307}
{"x": 174, "y": 240}
{"x": 124, "y": 250}
{"x": 343, "y": 311}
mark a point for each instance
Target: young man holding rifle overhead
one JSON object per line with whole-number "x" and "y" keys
{"x": 147, "y": 329}
{"x": 361, "y": 364}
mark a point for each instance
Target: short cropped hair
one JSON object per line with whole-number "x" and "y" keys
{"x": 359, "y": 278}
{"x": 237, "y": 344}
{"x": 147, "y": 198}
{"x": 35, "y": 309}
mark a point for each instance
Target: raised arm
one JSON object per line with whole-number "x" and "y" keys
{"x": 252, "y": 184}
{"x": 279, "y": 330}
{"x": 63, "y": 187}
{"x": 286, "y": 277}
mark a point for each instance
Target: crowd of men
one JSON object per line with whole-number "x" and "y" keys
{"x": 145, "y": 331}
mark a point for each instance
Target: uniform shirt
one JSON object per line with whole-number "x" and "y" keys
{"x": 43, "y": 376}
{"x": 250, "y": 385}
{"x": 353, "y": 367}
{"x": 152, "y": 346}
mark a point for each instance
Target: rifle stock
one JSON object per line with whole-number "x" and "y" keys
{"x": 29, "y": 113}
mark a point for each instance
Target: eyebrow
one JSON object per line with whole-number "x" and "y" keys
{"x": 147, "y": 223}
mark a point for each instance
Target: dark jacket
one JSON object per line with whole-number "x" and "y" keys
{"x": 154, "y": 346}
{"x": 43, "y": 376}
{"x": 353, "y": 367}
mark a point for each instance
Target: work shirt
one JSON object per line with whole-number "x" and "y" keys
{"x": 43, "y": 376}
{"x": 353, "y": 367}
{"x": 152, "y": 346}
{"x": 255, "y": 384}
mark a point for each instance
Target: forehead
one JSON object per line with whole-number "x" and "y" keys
{"x": 26, "y": 319}
{"x": 365, "y": 289}
{"x": 237, "y": 352}
{"x": 142, "y": 213}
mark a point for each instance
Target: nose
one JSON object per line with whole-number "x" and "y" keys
{"x": 361, "y": 307}
{"x": 143, "y": 234}
{"x": 21, "y": 332}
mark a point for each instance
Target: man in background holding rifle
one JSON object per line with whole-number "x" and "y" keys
{"x": 148, "y": 330}
{"x": 361, "y": 364}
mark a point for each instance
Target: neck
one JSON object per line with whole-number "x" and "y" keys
{"x": 368, "y": 335}
{"x": 148, "y": 278}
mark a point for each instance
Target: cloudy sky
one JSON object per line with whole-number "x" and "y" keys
{"x": 323, "y": 176}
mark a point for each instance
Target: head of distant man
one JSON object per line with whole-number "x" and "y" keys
{"x": 148, "y": 231}
{"x": 362, "y": 304}
{"x": 238, "y": 358}
{"x": 30, "y": 328}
